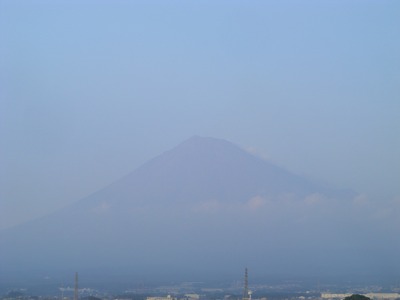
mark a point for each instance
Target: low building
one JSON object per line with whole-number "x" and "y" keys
{"x": 161, "y": 298}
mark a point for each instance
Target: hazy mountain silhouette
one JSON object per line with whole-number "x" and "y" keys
{"x": 204, "y": 207}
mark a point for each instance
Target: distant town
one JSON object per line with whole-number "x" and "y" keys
{"x": 240, "y": 290}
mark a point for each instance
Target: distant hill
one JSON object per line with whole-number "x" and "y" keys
{"x": 202, "y": 209}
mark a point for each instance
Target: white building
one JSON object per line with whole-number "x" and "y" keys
{"x": 161, "y": 298}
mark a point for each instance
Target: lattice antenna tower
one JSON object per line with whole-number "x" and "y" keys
{"x": 76, "y": 286}
{"x": 246, "y": 292}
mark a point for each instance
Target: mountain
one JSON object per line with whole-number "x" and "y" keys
{"x": 205, "y": 207}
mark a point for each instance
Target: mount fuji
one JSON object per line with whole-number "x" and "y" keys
{"x": 204, "y": 207}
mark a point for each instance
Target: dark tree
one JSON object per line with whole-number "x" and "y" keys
{"x": 357, "y": 297}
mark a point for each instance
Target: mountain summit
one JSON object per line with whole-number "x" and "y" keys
{"x": 206, "y": 206}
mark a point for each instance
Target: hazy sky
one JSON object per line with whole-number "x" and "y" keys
{"x": 89, "y": 90}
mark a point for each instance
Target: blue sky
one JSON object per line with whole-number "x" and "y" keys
{"x": 89, "y": 90}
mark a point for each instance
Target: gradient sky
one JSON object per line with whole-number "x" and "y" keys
{"x": 90, "y": 90}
